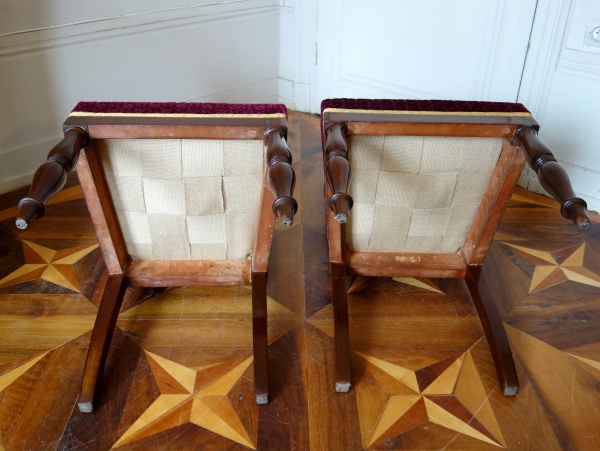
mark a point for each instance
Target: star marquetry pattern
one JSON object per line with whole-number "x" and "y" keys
{"x": 552, "y": 268}
{"x": 184, "y": 399}
{"x": 50, "y": 265}
{"x": 393, "y": 400}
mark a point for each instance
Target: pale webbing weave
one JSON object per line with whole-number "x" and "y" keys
{"x": 414, "y": 193}
{"x": 185, "y": 199}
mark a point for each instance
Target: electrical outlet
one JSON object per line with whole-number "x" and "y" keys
{"x": 591, "y": 39}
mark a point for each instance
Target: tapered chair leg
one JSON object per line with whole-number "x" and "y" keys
{"x": 110, "y": 291}
{"x": 259, "y": 337}
{"x": 494, "y": 331}
{"x": 343, "y": 369}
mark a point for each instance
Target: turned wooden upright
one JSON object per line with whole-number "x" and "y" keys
{"x": 281, "y": 175}
{"x": 337, "y": 169}
{"x": 552, "y": 176}
{"x": 50, "y": 178}
{"x": 342, "y": 117}
{"x": 214, "y": 121}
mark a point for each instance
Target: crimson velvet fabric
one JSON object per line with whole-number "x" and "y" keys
{"x": 446, "y": 106}
{"x": 179, "y": 108}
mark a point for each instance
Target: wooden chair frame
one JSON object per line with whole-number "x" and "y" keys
{"x": 521, "y": 143}
{"x": 77, "y": 150}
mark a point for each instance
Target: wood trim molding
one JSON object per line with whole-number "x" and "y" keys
{"x": 178, "y": 121}
{"x": 424, "y": 129}
{"x": 501, "y": 186}
{"x": 102, "y": 212}
{"x": 177, "y": 273}
{"x": 429, "y": 118}
{"x": 175, "y": 132}
{"x": 389, "y": 264}
{"x": 264, "y": 231}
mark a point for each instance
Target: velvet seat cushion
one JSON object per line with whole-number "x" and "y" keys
{"x": 425, "y": 106}
{"x": 179, "y": 109}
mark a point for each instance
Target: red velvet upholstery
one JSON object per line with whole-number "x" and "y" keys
{"x": 445, "y": 106}
{"x": 179, "y": 108}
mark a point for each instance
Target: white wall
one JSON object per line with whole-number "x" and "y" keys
{"x": 297, "y": 53}
{"x": 54, "y": 53}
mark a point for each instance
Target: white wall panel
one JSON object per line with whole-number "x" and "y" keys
{"x": 465, "y": 49}
{"x": 561, "y": 85}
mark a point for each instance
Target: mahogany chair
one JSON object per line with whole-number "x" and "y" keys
{"x": 179, "y": 195}
{"x": 418, "y": 188}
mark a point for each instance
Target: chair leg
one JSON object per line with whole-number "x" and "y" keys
{"x": 494, "y": 331}
{"x": 110, "y": 290}
{"x": 259, "y": 337}
{"x": 343, "y": 370}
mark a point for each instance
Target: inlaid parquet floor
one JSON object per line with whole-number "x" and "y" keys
{"x": 179, "y": 375}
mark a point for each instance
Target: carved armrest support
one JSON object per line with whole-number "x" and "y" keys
{"x": 552, "y": 176}
{"x": 51, "y": 176}
{"x": 337, "y": 169}
{"x": 281, "y": 177}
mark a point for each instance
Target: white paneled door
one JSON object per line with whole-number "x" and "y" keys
{"x": 428, "y": 49}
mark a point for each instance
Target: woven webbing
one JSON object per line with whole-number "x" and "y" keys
{"x": 416, "y": 194}
{"x": 185, "y": 199}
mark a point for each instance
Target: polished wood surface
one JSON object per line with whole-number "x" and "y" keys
{"x": 175, "y": 131}
{"x": 280, "y": 175}
{"x": 174, "y": 120}
{"x": 180, "y": 376}
{"x": 177, "y": 273}
{"x": 50, "y": 177}
{"x": 339, "y": 301}
{"x": 420, "y": 129}
{"x": 376, "y": 116}
{"x": 337, "y": 169}
{"x": 102, "y": 212}
{"x": 264, "y": 231}
{"x": 553, "y": 176}
{"x": 404, "y": 264}
{"x": 493, "y": 205}
{"x": 109, "y": 295}
{"x": 259, "y": 337}
{"x": 494, "y": 331}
